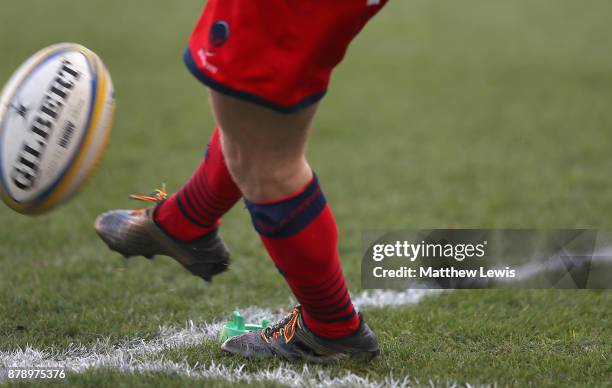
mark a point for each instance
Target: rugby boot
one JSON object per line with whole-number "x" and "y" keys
{"x": 135, "y": 233}
{"x": 290, "y": 340}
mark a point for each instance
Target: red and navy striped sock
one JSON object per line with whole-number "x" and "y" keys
{"x": 197, "y": 207}
{"x": 300, "y": 235}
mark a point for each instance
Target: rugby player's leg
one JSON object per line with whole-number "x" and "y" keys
{"x": 266, "y": 155}
{"x": 197, "y": 207}
{"x": 183, "y": 226}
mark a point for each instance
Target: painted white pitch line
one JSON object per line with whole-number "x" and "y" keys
{"x": 285, "y": 375}
{"x": 382, "y": 298}
{"x": 134, "y": 355}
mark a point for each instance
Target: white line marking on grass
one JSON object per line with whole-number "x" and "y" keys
{"x": 285, "y": 375}
{"x": 382, "y": 298}
{"x": 135, "y": 355}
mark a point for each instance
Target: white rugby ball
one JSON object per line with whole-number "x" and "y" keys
{"x": 56, "y": 114}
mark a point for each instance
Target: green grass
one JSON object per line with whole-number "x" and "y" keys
{"x": 444, "y": 114}
{"x": 484, "y": 336}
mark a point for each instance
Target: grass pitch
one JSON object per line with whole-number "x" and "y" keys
{"x": 444, "y": 114}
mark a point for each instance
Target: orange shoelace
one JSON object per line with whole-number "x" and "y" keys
{"x": 156, "y": 196}
{"x": 285, "y": 327}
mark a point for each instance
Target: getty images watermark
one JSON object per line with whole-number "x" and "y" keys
{"x": 478, "y": 258}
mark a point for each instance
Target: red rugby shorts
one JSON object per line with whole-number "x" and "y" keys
{"x": 276, "y": 53}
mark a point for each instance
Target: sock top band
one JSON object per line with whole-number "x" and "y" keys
{"x": 289, "y": 216}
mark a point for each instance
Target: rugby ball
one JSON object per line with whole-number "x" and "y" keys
{"x": 56, "y": 113}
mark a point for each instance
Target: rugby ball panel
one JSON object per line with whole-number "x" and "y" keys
{"x": 93, "y": 145}
{"x": 55, "y": 120}
{"x": 20, "y": 74}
